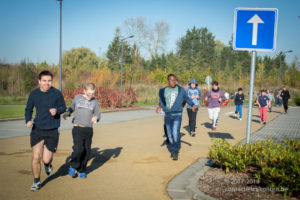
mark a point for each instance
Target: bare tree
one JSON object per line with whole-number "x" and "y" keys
{"x": 147, "y": 38}
{"x": 138, "y": 28}
{"x": 158, "y": 38}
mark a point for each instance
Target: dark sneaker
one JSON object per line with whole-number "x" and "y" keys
{"x": 175, "y": 156}
{"x": 48, "y": 169}
{"x": 72, "y": 172}
{"x": 82, "y": 175}
{"x": 35, "y": 186}
{"x": 172, "y": 154}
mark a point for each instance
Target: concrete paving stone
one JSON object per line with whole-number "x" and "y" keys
{"x": 178, "y": 195}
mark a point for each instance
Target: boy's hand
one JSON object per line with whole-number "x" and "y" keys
{"x": 158, "y": 109}
{"x": 66, "y": 115}
{"x": 94, "y": 120}
{"x": 194, "y": 108}
{"x": 197, "y": 96}
{"x": 193, "y": 96}
{"x": 52, "y": 111}
{"x": 206, "y": 99}
{"x": 220, "y": 100}
{"x": 29, "y": 124}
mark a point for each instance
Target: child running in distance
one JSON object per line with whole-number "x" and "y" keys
{"x": 263, "y": 104}
{"x": 195, "y": 94}
{"x": 238, "y": 101}
{"x": 214, "y": 98}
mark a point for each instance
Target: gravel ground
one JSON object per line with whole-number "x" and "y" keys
{"x": 216, "y": 183}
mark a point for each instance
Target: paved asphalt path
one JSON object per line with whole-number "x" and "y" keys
{"x": 17, "y": 128}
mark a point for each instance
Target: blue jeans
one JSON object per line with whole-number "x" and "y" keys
{"x": 173, "y": 124}
{"x": 238, "y": 109}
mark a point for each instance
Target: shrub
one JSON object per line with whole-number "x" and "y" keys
{"x": 107, "y": 98}
{"x": 297, "y": 100}
{"x": 275, "y": 164}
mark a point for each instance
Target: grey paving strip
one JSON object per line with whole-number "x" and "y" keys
{"x": 283, "y": 127}
{"x": 185, "y": 185}
{"x": 17, "y": 128}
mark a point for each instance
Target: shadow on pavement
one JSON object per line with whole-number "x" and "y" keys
{"x": 220, "y": 135}
{"x": 255, "y": 120}
{"x": 62, "y": 171}
{"x": 258, "y": 116}
{"x": 233, "y": 117}
{"x": 187, "y": 128}
{"x": 99, "y": 158}
{"x": 274, "y": 111}
{"x": 207, "y": 125}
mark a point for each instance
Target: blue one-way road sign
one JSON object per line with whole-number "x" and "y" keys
{"x": 255, "y": 29}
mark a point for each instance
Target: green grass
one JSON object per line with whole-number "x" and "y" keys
{"x": 16, "y": 111}
{"x": 147, "y": 94}
{"x": 147, "y": 103}
{"x": 13, "y": 100}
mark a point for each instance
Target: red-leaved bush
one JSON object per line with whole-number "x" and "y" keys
{"x": 107, "y": 98}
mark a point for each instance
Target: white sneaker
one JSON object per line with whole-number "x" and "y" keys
{"x": 35, "y": 186}
{"x": 240, "y": 118}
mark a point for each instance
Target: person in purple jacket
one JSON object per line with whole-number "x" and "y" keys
{"x": 214, "y": 98}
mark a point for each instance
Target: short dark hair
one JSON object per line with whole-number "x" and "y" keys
{"x": 215, "y": 83}
{"x": 45, "y": 73}
{"x": 264, "y": 91}
{"x": 240, "y": 89}
{"x": 170, "y": 75}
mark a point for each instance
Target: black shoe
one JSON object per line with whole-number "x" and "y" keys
{"x": 48, "y": 169}
{"x": 175, "y": 155}
{"x": 193, "y": 134}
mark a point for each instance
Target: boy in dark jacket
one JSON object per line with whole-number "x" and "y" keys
{"x": 170, "y": 100}
{"x": 238, "y": 101}
{"x": 195, "y": 94}
{"x": 285, "y": 99}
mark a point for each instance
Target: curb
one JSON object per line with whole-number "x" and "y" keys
{"x": 184, "y": 185}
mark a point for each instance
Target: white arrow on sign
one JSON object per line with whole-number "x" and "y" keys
{"x": 255, "y": 20}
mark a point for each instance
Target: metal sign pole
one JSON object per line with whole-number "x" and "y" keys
{"x": 60, "y": 37}
{"x": 250, "y": 101}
